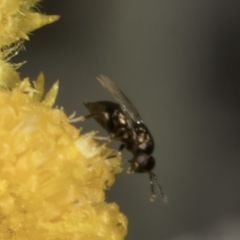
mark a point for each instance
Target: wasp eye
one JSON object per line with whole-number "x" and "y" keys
{"x": 144, "y": 161}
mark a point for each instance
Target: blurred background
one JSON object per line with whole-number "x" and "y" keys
{"x": 179, "y": 63}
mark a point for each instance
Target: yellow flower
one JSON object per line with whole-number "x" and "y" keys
{"x": 52, "y": 177}
{"x": 18, "y": 18}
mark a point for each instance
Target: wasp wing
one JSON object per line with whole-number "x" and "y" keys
{"x": 128, "y": 108}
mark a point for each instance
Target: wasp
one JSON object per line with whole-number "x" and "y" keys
{"x": 123, "y": 123}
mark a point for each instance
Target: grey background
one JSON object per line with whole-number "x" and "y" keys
{"x": 178, "y": 61}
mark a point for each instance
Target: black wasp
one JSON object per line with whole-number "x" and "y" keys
{"x": 123, "y": 123}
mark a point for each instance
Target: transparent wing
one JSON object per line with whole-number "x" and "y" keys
{"x": 126, "y": 105}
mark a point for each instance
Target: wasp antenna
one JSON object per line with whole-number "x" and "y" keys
{"x": 153, "y": 196}
{"x": 153, "y": 178}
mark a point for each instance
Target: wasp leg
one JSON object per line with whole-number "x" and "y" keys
{"x": 107, "y": 139}
{"x": 72, "y": 116}
{"x": 132, "y": 167}
{"x": 121, "y": 147}
{"x": 83, "y": 118}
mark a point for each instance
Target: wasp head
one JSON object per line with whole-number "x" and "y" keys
{"x": 142, "y": 162}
